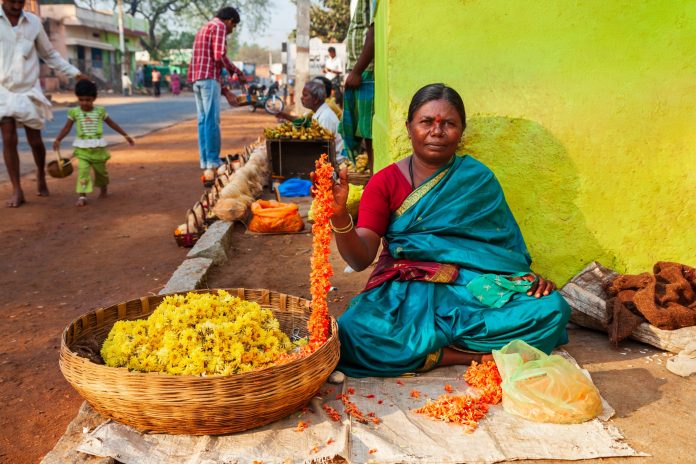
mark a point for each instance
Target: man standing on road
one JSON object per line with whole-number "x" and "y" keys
{"x": 359, "y": 94}
{"x": 333, "y": 70}
{"x": 208, "y": 60}
{"x": 156, "y": 81}
{"x": 127, "y": 85}
{"x": 22, "y": 42}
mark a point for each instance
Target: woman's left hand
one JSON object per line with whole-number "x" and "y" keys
{"x": 541, "y": 287}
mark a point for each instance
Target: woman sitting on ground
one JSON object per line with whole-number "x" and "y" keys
{"x": 453, "y": 281}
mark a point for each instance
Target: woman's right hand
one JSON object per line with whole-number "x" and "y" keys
{"x": 56, "y": 145}
{"x": 340, "y": 192}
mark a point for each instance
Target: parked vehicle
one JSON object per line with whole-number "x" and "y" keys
{"x": 268, "y": 99}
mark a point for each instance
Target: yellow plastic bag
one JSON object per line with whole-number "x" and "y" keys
{"x": 545, "y": 388}
{"x": 273, "y": 216}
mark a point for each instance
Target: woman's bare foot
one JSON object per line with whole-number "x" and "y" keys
{"x": 104, "y": 193}
{"x": 41, "y": 186}
{"x": 16, "y": 200}
{"x": 82, "y": 201}
{"x": 455, "y": 356}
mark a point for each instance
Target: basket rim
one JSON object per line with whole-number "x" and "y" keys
{"x": 65, "y": 350}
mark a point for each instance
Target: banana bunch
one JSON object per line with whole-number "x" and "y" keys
{"x": 359, "y": 166}
{"x": 300, "y": 129}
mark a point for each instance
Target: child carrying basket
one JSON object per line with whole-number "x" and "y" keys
{"x": 90, "y": 146}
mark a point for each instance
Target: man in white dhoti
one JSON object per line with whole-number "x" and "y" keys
{"x": 22, "y": 42}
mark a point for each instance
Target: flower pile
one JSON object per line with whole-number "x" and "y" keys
{"x": 468, "y": 410}
{"x": 198, "y": 334}
{"x": 321, "y": 240}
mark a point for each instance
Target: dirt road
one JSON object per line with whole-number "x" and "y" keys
{"x": 58, "y": 261}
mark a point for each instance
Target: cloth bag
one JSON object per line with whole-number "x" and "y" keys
{"x": 275, "y": 217}
{"x": 295, "y": 188}
{"x": 545, "y": 388}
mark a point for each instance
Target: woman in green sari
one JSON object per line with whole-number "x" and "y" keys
{"x": 453, "y": 281}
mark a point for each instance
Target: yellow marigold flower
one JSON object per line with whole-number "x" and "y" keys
{"x": 199, "y": 334}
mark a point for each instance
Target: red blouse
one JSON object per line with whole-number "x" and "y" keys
{"x": 383, "y": 195}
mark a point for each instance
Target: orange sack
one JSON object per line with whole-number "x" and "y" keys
{"x": 273, "y": 216}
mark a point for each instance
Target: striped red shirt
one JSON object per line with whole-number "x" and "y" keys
{"x": 210, "y": 53}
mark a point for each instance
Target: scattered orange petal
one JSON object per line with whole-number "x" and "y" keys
{"x": 369, "y": 396}
{"x": 332, "y": 413}
{"x": 351, "y": 391}
{"x": 329, "y": 441}
{"x": 380, "y": 401}
{"x": 468, "y": 410}
{"x": 415, "y": 394}
{"x": 373, "y": 451}
{"x": 352, "y": 410}
{"x": 399, "y": 382}
{"x": 301, "y": 426}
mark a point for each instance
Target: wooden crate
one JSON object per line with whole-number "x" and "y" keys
{"x": 295, "y": 158}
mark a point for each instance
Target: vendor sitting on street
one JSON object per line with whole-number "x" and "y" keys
{"x": 313, "y": 97}
{"x": 454, "y": 280}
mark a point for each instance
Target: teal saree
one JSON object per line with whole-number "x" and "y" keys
{"x": 458, "y": 216}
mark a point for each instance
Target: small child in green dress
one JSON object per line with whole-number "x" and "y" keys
{"x": 90, "y": 146}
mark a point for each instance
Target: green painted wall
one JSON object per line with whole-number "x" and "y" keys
{"x": 586, "y": 112}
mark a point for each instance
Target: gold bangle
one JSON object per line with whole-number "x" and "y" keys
{"x": 342, "y": 230}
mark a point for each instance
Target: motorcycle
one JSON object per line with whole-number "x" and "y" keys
{"x": 269, "y": 100}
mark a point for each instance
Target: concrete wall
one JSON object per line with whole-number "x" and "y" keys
{"x": 584, "y": 110}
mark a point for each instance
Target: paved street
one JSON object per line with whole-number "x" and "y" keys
{"x": 142, "y": 116}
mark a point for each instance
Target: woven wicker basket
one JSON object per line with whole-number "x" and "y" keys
{"x": 190, "y": 404}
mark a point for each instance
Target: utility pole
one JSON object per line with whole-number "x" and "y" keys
{"x": 302, "y": 63}
{"x": 121, "y": 42}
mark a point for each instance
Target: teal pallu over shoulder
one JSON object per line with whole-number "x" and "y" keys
{"x": 495, "y": 290}
{"x": 459, "y": 216}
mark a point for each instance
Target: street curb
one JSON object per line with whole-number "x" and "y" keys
{"x": 214, "y": 243}
{"x": 188, "y": 276}
{"x": 210, "y": 250}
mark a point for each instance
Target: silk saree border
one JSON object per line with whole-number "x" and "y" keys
{"x": 415, "y": 196}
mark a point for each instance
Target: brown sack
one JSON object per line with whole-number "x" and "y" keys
{"x": 666, "y": 298}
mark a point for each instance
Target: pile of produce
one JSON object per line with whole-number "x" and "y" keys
{"x": 300, "y": 129}
{"x": 199, "y": 334}
{"x": 359, "y": 166}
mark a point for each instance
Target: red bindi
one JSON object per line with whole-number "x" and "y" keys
{"x": 438, "y": 119}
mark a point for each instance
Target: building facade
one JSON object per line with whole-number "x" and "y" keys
{"x": 90, "y": 40}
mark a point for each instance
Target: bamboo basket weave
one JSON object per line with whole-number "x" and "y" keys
{"x": 195, "y": 405}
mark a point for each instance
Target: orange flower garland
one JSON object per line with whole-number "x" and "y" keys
{"x": 468, "y": 410}
{"x": 321, "y": 239}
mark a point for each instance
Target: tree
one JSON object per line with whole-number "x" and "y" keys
{"x": 155, "y": 11}
{"x": 329, "y": 21}
{"x": 182, "y": 40}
